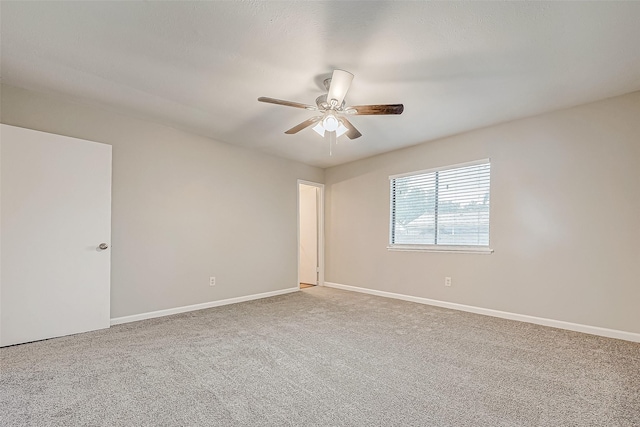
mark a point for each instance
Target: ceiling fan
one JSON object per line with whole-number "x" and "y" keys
{"x": 331, "y": 122}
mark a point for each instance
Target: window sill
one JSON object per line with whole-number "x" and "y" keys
{"x": 485, "y": 250}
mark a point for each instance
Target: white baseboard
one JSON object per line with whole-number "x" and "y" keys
{"x": 593, "y": 330}
{"x": 194, "y": 307}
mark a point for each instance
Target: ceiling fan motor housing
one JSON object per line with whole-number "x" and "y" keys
{"x": 322, "y": 103}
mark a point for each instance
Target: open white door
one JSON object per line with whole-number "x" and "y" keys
{"x": 55, "y": 207}
{"x": 310, "y": 233}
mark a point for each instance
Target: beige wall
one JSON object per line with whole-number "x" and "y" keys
{"x": 184, "y": 207}
{"x": 565, "y": 219}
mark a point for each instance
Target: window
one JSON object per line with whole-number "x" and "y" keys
{"x": 441, "y": 209}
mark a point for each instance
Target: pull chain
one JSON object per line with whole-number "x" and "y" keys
{"x": 331, "y": 137}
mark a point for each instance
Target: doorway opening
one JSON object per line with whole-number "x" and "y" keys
{"x": 310, "y": 234}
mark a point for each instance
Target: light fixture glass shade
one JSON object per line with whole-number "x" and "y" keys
{"x": 342, "y": 129}
{"x": 330, "y": 123}
{"x": 319, "y": 129}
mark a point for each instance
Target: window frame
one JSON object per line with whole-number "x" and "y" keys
{"x": 475, "y": 249}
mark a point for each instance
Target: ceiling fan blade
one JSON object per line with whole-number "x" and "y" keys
{"x": 352, "y": 133}
{"x": 287, "y": 103}
{"x": 375, "y": 109}
{"x": 340, "y": 83}
{"x": 303, "y": 125}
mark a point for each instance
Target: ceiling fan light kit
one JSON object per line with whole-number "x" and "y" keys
{"x": 332, "y": 124}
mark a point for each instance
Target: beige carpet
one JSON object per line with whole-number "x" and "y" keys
{"x": 322, "y": 357}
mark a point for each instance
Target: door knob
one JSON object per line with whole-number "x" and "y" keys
{"x": 103, "y": 246}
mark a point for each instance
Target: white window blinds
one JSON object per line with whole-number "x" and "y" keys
{"x": 448, "y": 206}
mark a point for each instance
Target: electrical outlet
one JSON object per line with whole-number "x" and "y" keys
{"x": 212, "y": 281}
{"x": 447, "y": 281}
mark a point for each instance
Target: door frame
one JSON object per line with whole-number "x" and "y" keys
{"x": 320, "y": 228}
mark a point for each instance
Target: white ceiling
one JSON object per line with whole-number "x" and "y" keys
{"x": 200, "y": 66}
